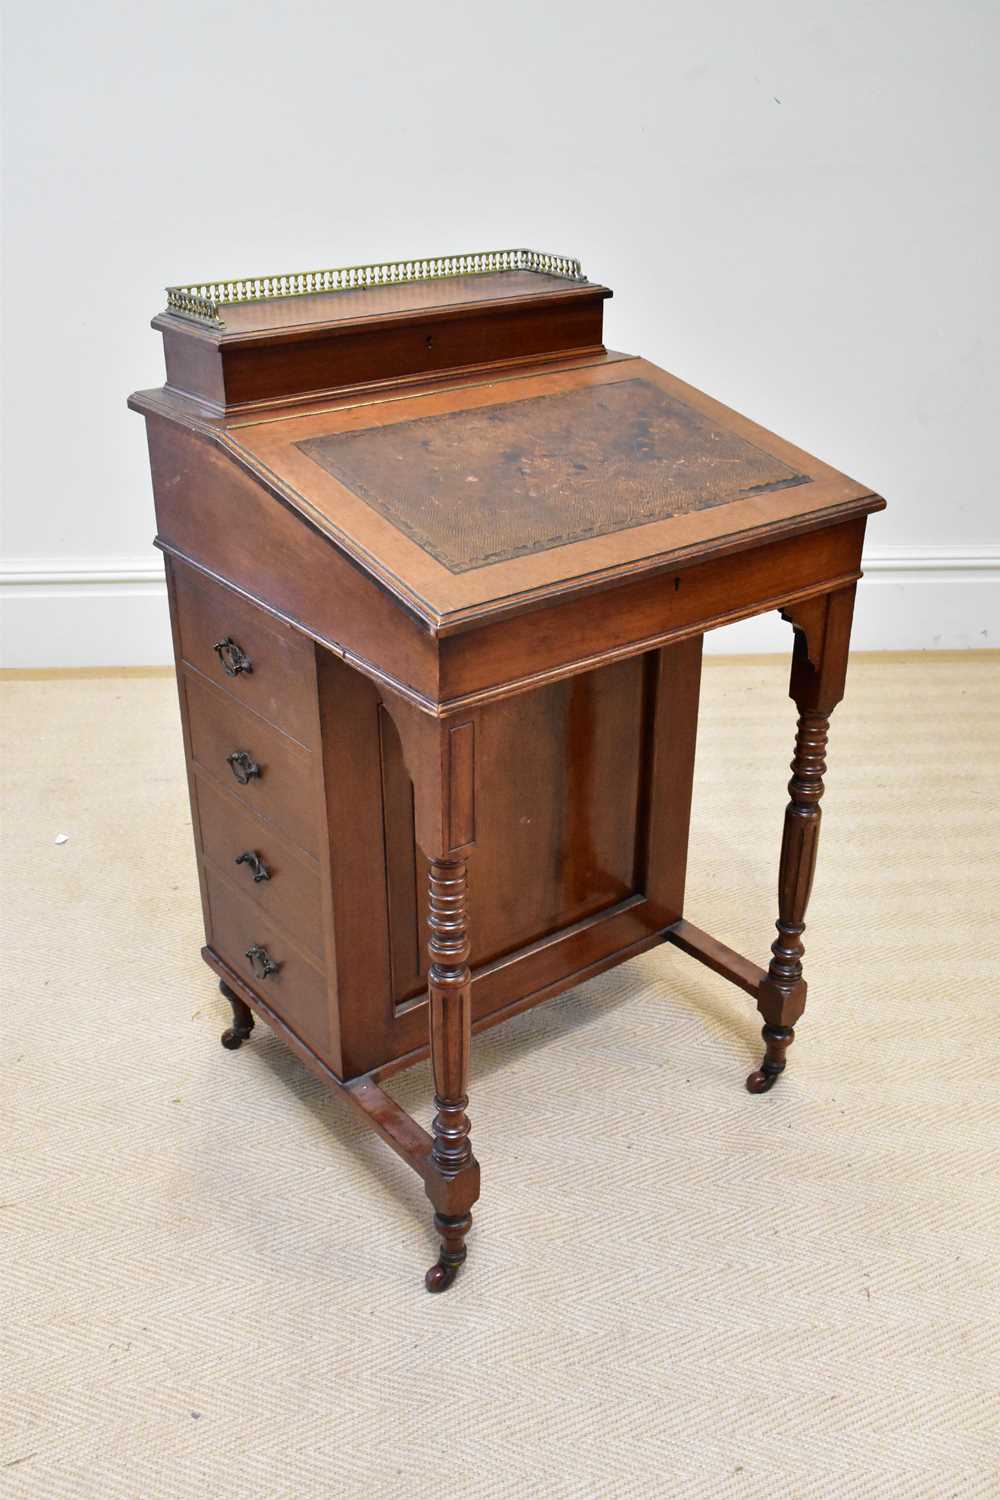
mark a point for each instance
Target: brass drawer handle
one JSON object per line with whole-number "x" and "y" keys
{"x": 261, "y": 962}
{"x": 233, "y": 658}
{"x": 258, "y": 868}
{"x": 243, "y": 766}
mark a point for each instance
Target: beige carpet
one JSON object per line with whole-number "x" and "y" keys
{"x": 213, "y": 1279}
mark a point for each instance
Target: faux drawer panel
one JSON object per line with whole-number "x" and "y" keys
{"x": 280, "y": 682}
{"x": 297, "y": 991}
{"x": 290, "y": 895}
{"x": 284, "y": 789}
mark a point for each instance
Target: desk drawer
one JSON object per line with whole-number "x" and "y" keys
{"x": 270, "y": 667}
{"x": 280, "y": 775}
{"x": 296, "y": 990}
{"x": 284, "y": 885}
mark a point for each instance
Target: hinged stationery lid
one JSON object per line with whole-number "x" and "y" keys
{"x": 259, "y": 340}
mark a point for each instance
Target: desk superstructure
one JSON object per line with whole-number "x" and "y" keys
{"x": 439, "y": 568}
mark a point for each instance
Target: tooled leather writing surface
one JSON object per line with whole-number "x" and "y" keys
{"x": 494, "y": 483}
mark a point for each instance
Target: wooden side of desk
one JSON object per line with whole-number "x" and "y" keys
{"x": 211, "y": 513}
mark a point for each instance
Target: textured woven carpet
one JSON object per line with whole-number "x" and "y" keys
{"x": 213, "y": 1272}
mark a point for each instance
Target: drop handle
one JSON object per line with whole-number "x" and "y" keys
{"x": 233, "y": 658}
{"x": 258, "y": 868}
{"x": 261, "y": 962}
{"x": 243, "y": 766}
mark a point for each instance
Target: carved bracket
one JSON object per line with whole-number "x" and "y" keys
{"x": 808, "y": 619}
{"x": 440, "y": 759}
{"x": 822, "y": 628}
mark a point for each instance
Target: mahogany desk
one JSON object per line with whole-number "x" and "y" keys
{"x": 439, "y": 569}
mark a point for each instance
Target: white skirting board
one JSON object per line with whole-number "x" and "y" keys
{"x": 112, "y": 612}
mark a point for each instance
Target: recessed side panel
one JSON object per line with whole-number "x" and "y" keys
{"x": 557, "y": 835}
{"x": 583, "y": 802}
{"x": 581, "y": 811}
{"x": 558, "y": 791}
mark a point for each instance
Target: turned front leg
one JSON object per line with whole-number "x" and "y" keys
{"x": 782, "y": 995}
{"x": 454, "y": 1183}
{"x": 819, "y": 666}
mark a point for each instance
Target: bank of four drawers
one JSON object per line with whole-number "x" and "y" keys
{"x": 252, "y": 725}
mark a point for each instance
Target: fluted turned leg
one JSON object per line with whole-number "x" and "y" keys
{"x": 234, "y": 1036}
{"x": 783, "y": 993}
{"x": 819, "y": 667}
{"x": 453, "y": 1186}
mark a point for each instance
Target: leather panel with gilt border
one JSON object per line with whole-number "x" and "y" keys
{"x": 471, "y": 498}
{"x": 475, "y": 488}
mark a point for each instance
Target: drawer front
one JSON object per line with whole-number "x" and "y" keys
{"x": 283, "y": 791}
{"x": 279, "y": 881}
{"x": 296, "y": 990}
{"x": 270, "y": 668}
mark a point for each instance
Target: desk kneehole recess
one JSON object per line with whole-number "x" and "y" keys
{"x": 439, "y": 567}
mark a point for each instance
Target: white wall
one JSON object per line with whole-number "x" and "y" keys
{"x": 795, "y": 202}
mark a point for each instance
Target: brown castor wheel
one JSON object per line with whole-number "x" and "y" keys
{"x": 441, "y": 1275}
{"x": 452, "y": 1228}
{"x": 777, "y": 1040}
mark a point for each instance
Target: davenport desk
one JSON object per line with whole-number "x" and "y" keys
{"x": 439, "y": 567}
